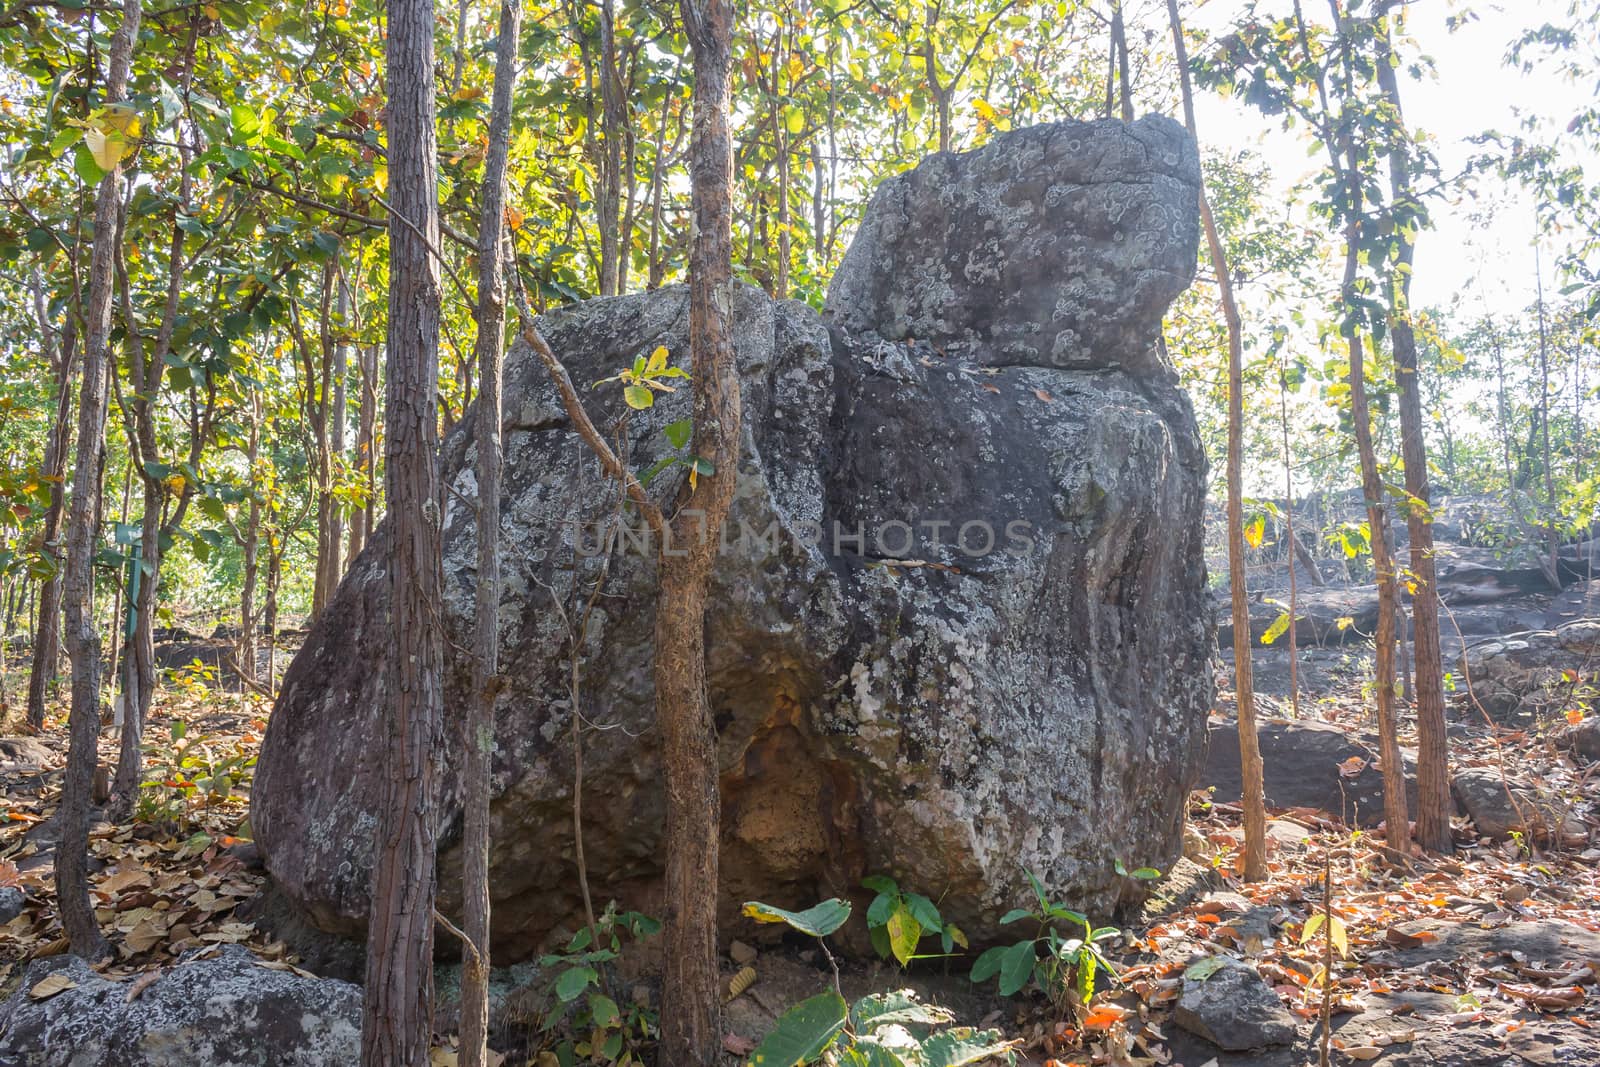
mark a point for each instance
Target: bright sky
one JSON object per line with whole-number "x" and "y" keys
{"x": 1486, "y": 261}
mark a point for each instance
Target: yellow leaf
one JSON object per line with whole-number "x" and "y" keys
{"x": 1255, "y": 530}
{"x": 658, "y": 360}
{"x": 1345, "y": 621}
{"x": 106, "y": 148}
{"x": 985, "y": 110}
{"x": 49, "y": 987}
{"x": 468, "y": 92}
{"x": 1340, "y": 940}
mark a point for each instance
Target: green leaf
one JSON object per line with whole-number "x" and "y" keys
{"x": 904, "y": 933}
{"x": 678, "y": 434}
{"x": 638, "y": 397}
{"x": 1016, "y": 966}
{"x": 866, "y": 1052}
{"x": 1311, "y": 927}
{"x": 1200, "y": 970}
{"x": 818, "y": 921}
{"x": 962, "y": 1045}
{"x": 1015, "y": 915}
{"x": 573, "y": 981}
{"x": 881, "y": 883}
{"x": 900, "y": 1006}
{"x": 803, "y": 1033}
{"x": 794, "y": 120}
{"x": 924, "y": 911}
{"x": 64, "y": 140}
{"x": 1146, "y": 874}
{"x": 85, "y": 166}
{"x": 988, "y": 964}
{"x": 603, "y": 1010}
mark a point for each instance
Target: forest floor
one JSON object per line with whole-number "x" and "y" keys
{"x": 1489, "y": 956}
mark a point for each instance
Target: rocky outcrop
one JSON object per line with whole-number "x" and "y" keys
{"x": 1537, "y": 674}
{"x": 958, "y": 624}
{"x": 224, "y": 1011}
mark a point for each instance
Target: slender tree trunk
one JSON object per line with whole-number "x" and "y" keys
{"x": 366, "y": 428}
{"x": 691, "y": 1007}
{"x": 72, "y": 849}
{"x": 486, "y": 633}
{"x": 397, "y": 1010}
{"x": 336, "y": 435}
{"x": 1434, "y": 802}
{"x": 47, "y": 628}
{"x": 613, "y": 118}
{"x": 1119, "y": 43}
{"x": 1254, "y": 791}
{"x": 1294, "y": 545}
{"x": 1552, "y": 535}
{"x": 250, "y": 549}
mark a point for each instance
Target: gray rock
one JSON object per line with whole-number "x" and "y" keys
{"x": 1055, "y": 246}
{"x": 1584, "y": 737}
{"x": 225, "y": 1011}
{"x": 1301, "y": 766}
{"x": 1025, "y": 686}
{"x": 11, "y": 903}
{"x": 1532, "y": 674}
{"x": 1235, "y": 1010}
{"x": 1500, "y": 808}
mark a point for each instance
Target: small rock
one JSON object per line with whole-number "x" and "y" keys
{"x": 1488, "y": 799}
{"x": 742, "y": 954}
{"x": 224, "y": 1011}
{"x": 1235, "y": 1010}
{"x": 1584, "y": 738}
{"x": 11, "y": 903}
{"x": 1288, "y": 834}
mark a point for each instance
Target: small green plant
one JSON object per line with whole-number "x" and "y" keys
{"x": 898, "y": 921}
{"x": 881, "y": 1030}
{"x": 645, "y": 378}
{"x": 598, "y": 1029}
{"x": 188, "y": 771}
{"x": 640, "y": 383}
{"x": 1069, "y": 965}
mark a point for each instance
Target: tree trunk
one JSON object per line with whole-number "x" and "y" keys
{"x": 1552, "y": 534}
{"x": 366, "y": 428}
{"x": 72, "y": 849}
{"x": 1254, "y": 792}
{"x": 478, "y": 764}
{"x": 691, "y": 1006}
{"x": 47, "y": 627}
{"x": 1434, "y": 802}
{"x": 397, "y": 1011}
{"x": 1119, "y": 42}
{"x": 613, "y": 118}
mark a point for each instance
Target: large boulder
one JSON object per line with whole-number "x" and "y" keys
{"x": 227, "y": 1010}
{"x": 958, "y": 625}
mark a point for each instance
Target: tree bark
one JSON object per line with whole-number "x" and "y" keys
{"x": 613, "y": 120}
{"x": 47, "y": 627}
{"x": 1254, "y": 792}
{"x": 72, "y": 875}
{"x": 366, "y": 429}
{"x": 397, "y": 1010}
{"x": 691, "y": 1006}
{"x": 1434, "y": 802}
{"x": 478, "y": 764}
